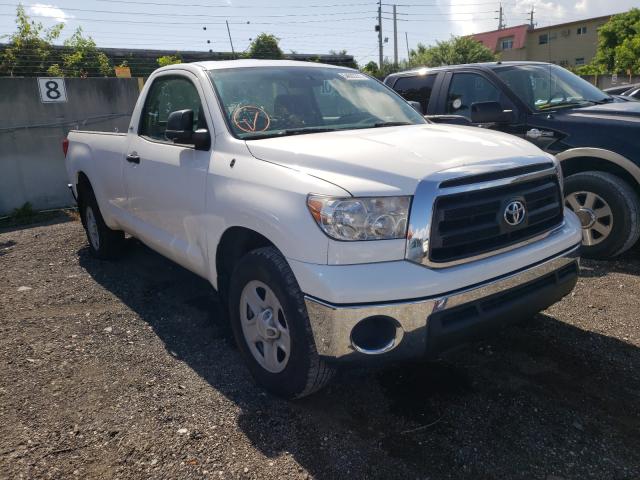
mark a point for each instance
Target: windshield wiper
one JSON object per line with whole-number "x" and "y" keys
{"x": 389, "y": 124}
{"x": 289, "y": 131}
{"x": 568, "y": 103}
{"x": 303, "y": 130}
{"x": 604, "y": 100}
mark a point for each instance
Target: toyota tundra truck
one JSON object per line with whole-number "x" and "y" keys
{"x": 336, "y": 223}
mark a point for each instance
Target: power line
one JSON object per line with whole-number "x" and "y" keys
{"x": 197, "y": 15}
{"x": 236, "y": 6}
{"x": 101, "y": 20}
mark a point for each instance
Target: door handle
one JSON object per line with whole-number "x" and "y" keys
{"x": 133, "y": 158}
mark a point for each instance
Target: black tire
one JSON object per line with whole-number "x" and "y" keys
{"x": 110, "y": 243}
{"x": 625, "y": 211}
{"x": 305, "y": 372}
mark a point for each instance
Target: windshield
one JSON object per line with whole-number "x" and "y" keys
{"x": 265, "y": 102}
{"x": 544, "y": 87}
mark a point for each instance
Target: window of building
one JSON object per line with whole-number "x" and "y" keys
{"x": 417, "y": 89}
{"x": 580, "y": 61}
{"x": 582, "y": 30}
{"x": 543, "y": 39}
{"x": 563, "y": 63}
{"x": 506, "y": 43}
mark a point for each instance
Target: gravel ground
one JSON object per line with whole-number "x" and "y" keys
{"x": 125, "y": 370}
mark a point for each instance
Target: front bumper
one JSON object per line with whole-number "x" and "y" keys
{"x": 433, "y": 324}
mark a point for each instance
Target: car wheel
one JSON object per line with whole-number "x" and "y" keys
{"x": 104, "y": 243}
{"x": 609, "y": 212}
{"x": 271, "y": 327}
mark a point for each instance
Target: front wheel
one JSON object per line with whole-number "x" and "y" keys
{"x": 271, "y": 327}
{"x": 609, "y": 212}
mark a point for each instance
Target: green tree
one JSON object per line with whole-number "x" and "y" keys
{"x": 454, "y": 51}
{"x": 264, "y": 46}
{"x": 627, "y": 55}
{"x": 371, "y": 68}
{"x": 30, "y": 48}
{"x": 169, "y": 60}
{"x": 388, "y": 68}
{"x": 81, "y": 58}
{"x": 619, "y": 43}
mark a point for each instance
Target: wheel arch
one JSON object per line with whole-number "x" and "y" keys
{"x": 235, "y": 242}
{"x": 584, "y": 159}
{"x": 82, "y": 183}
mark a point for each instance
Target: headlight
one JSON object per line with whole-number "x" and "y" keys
{"x": 352, "y": 219}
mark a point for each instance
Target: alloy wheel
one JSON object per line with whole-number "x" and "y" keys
{"x": 595, "y": 216}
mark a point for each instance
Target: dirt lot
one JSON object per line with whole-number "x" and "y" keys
{"x": 125, "y": 370}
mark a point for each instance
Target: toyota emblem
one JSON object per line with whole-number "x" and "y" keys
{"x": 514, "y": 213}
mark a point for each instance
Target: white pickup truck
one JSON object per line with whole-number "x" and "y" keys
{"x": 336, "y": 223}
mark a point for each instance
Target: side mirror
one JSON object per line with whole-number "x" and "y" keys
{"x": 416, "y": 106}
{"x": 490, "y": 112}
{"x": 201, "y": 139}
{"x": 180, "y": 130}
{"x": 180, "y": 126}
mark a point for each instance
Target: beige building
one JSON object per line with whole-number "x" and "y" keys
{"x": 568, "y": 44}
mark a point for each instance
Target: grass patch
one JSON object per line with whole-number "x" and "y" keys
{"x": 26, "y": 215}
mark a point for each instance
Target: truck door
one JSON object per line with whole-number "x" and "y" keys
{"x": 463, "y": 89}
{"x": 165, "y": 182}
{"x": 417, "y": 88}
{"x": 531, "y": 86}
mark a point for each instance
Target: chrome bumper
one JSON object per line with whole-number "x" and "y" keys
{"x": 332, "y": 324}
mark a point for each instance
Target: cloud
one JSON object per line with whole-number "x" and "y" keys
{"x": 547, "y": 12}
{"x": 463, "y": 17}
{"x": 50, "y": 11}
{"x": 582, "y": 5}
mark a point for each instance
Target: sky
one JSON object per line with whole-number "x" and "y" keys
{"x": 303, "y": 26}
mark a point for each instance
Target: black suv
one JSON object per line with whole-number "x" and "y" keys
{"x": 595, "y": 136}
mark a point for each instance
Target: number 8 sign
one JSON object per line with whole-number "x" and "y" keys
{"x": 52, "y": 89}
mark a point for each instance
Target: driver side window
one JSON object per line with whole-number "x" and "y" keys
{"x": 466, "y": 89}
{"x": 166, "y": 95}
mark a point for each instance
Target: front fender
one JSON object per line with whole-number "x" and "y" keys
{"x": 601, "y": 153}
{"x": 271, "y": 200}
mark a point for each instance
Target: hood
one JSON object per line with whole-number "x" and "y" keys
{"x": 619, "y": 108}
{"x": 392, "y": 160}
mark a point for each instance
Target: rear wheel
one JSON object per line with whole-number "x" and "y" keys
{"x": 271, "y": 327}
{"x": 104, "y": 243}
{"x": 609, "y": 212}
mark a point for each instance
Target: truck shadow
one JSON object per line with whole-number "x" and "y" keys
{"x": 628, "y": 262}
{"x": 540, "y": 399}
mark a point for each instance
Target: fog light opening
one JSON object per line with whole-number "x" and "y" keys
{"x": 376, "y": 335}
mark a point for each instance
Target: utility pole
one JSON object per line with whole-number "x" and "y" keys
{"x": 532, "y": 24}
{"x": 500, "y": 13}
{"x": 395, "y": 37}
{"x": 233, "y": 52}
{"x": 406, "y": 38}
{"x": 380, "y": 55}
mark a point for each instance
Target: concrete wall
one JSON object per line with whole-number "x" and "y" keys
{"x": 31, "y": 134}
{"x": 606, "y": 81}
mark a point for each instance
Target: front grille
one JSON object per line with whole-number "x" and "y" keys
{"x": 472, "y": 223}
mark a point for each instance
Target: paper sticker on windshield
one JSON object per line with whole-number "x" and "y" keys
{"x": 352, "y": 76}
